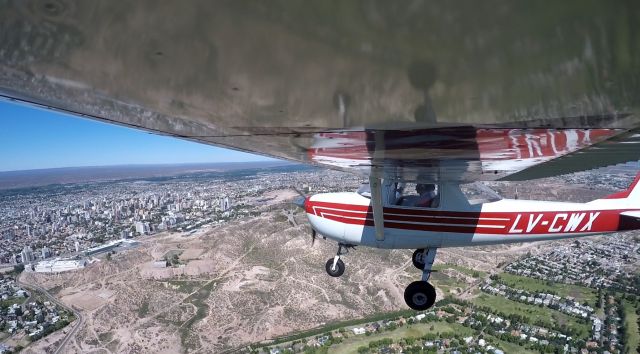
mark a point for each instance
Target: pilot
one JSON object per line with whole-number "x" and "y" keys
{"x": 427, "y": 193}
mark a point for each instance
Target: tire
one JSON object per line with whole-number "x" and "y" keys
{"x": 418, "y": 263}
{"x": 420, "y": 295}
{"x": 339, "y": 268}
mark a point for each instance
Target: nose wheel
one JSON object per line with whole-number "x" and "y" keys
{"x": 335, "y": 266}
{"x": 421, "y": 295}
{"x": 418, "y": 259}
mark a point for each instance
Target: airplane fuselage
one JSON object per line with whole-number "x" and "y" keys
{"x": 348, "y": 218}
{"x": 388, "y": 215}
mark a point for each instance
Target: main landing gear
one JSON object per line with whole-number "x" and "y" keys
{"x": 335, "y": 265}
{"x": 420, "y": 295}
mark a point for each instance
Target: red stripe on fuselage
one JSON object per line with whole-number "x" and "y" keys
{"x": 501, "y": 223}
{"x": 365, "y": 222}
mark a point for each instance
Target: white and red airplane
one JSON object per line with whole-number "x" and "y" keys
{"x": 428, "y": 93}
{"x": 451, "y": 220}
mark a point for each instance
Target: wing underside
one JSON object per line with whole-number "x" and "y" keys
{"x": 618, "y": 149}
{"x": 443, "y": 91}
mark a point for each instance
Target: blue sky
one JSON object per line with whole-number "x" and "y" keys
{"x": 32, "y": 138}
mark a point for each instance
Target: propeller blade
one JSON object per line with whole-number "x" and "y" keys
{"x": 300, "y": 201}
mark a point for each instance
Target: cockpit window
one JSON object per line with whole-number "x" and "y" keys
{"x": 478, "y": 193}
{"x": 418, "y": 195}
{"x": 365, "y": 190}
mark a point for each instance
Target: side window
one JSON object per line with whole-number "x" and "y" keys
{"x": 420, "y": 195}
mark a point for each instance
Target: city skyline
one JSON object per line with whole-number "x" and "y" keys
{"x": 33, "y": 138}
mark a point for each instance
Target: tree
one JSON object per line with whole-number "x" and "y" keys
{"x": 175, "y": 259}
{"x": 108, "y": 257}
{"x": 18, "y": 268}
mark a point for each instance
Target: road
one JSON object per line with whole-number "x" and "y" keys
{"x": 53, "y": 299}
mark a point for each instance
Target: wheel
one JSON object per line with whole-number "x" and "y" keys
{"x": 334, "y": 272}
{"x": 420, "y": 295}
{"x": 418, "y": 259}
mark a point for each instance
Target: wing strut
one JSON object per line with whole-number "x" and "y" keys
{"x": 375, "y": 182}
{"x": 376, "y": 200}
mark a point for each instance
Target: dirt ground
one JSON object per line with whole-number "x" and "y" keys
{"x": 239, "y": 283}
{"x": 279, "y": 196}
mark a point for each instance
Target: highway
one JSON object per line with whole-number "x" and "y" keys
{"x": 77, "y": 324}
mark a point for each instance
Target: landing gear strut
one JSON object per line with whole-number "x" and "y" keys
{"x": 335, "y": 265}
{"x": 420, "y": 295}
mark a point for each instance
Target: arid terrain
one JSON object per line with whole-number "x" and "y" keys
{"x": 255, "y": 276}
{"x": 244, "y": 282}
{"x": 247, "y": 281}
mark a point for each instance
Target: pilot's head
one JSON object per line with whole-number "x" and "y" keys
{"x": 425, "y": 187}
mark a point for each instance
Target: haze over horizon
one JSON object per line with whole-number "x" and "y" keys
{"x": 90, "y": 174}
{"x": 153, "y": 165}
{"x": 34, "y": 138}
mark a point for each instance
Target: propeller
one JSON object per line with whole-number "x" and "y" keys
{"x": 299, "y": 201}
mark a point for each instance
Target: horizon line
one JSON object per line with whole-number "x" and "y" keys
{"x": 150, "y": 164}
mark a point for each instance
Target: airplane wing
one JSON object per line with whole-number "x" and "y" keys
{"x": 618, "y": 149}
{"x": 447, "y": 91}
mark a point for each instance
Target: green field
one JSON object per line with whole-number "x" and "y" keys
{"x": 581, "y": 293}
{"x": 464, "y": 270}
{"x": 509, "y": 347}
{"x": 341, "y": 324}
{"x": 447, "y": 284}
{"x": 534, "y": 313}
{"x": 632, "y": 332}
{"x": 350, "y": 345}
{"x": 11, "y": 301}
{"x": 451, "y": 285}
